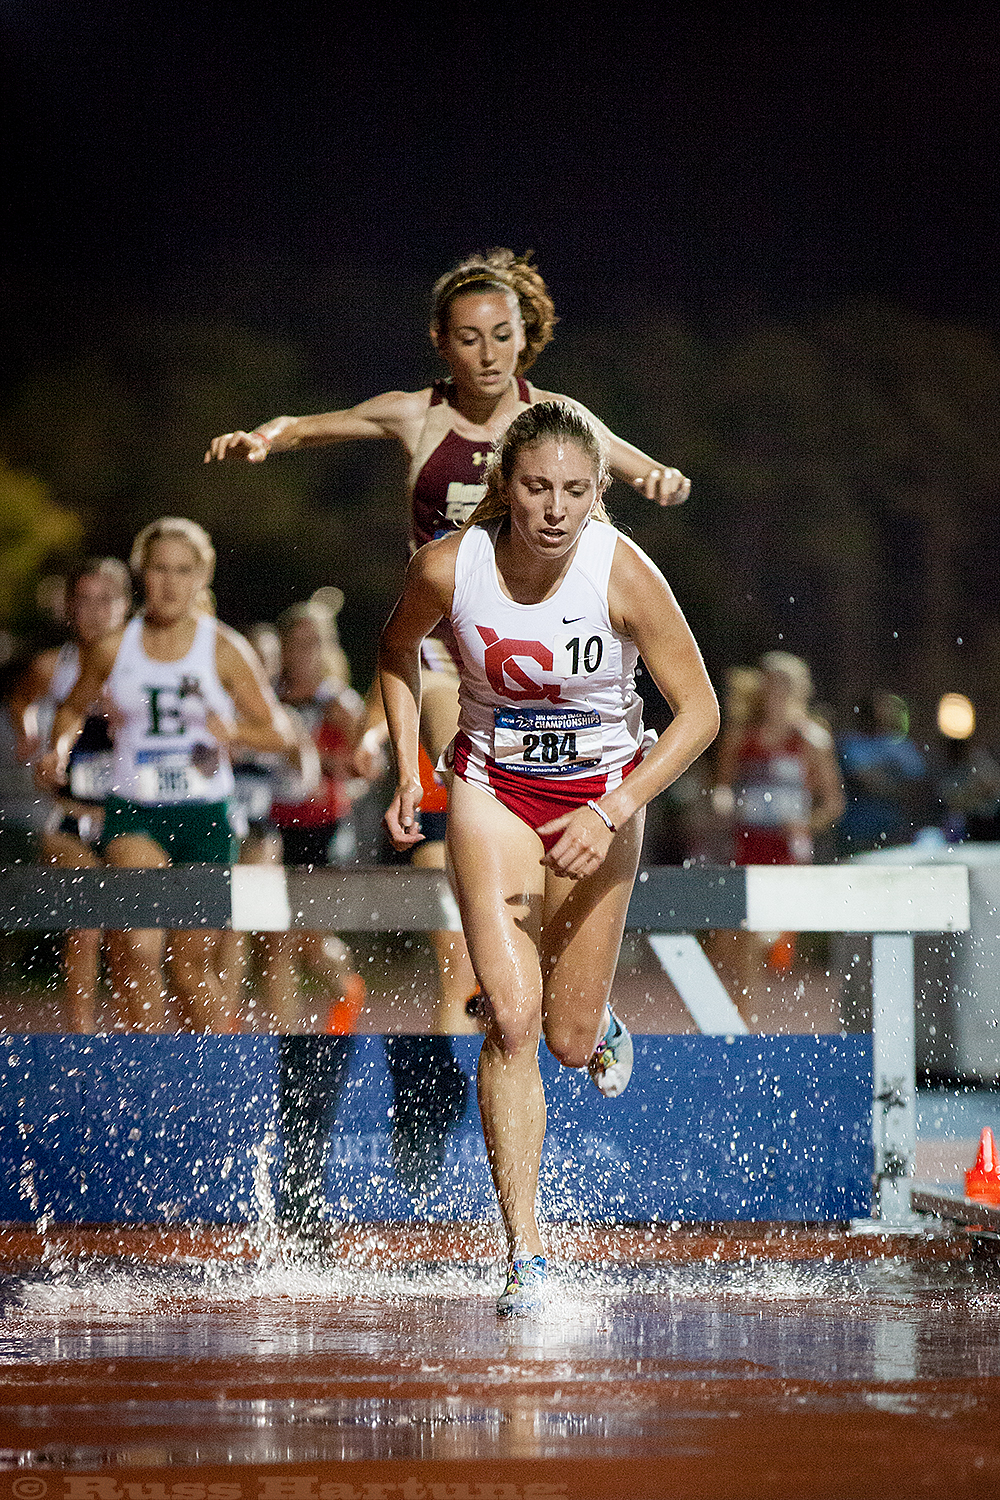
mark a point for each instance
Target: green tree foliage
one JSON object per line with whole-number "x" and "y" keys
{"x": 863, "y": 449}
{"x": 33, "y": 530}
{"x": 118, "y": 430}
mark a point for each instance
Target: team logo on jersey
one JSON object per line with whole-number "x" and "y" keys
{"x": 166, "y": 716}
{"x": 461, "y": 500}
{"x": 166, "y": 712}
{"x": 507, "y": 677}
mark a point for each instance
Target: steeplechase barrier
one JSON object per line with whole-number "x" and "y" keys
{"x": 725, "y": 1125}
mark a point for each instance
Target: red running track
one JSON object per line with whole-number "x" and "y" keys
{"x": 729, "y": 1362}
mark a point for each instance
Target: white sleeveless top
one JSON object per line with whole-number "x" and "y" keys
{"x": 63, "y": 680}
{"x": 163, "y": 751}
{"x": 547, "y": 689}
{"x": 88, "y": 774}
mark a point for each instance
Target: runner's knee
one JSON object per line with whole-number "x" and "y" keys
{"x": 570, "y": 1043}
{"x": 511, "y": 1025}
{"x": 138, "y": 945}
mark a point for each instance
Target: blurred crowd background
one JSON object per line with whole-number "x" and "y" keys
{"x": 835, "y": 558}
{"x": 896, "y": 772}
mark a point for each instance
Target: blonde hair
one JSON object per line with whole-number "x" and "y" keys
{"x": 555, "y": 420}
{"x": 501, "y": 270}
{"x": 792, "y": 667}
{"x": 748, "y": 689}
{"x": 182, "y": 529}
{"x": 743, "y": 692}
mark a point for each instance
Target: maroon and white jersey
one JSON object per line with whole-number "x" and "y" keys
{"x": 448, "y": 474}
{"x": 546, "y": 689}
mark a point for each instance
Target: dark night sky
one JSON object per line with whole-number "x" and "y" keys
{"x": 765, "y": 164}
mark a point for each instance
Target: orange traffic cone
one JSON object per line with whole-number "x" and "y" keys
{"x": 982, "y": 1181}
{"x": 343, "y": 1013}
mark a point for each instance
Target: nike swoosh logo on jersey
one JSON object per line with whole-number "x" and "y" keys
{"x": 573, "y": 621}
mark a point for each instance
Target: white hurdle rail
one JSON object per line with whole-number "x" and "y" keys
{"x": 669, "y": 904}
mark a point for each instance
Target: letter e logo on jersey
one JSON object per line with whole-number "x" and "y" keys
{"x": 165, "y": 714}
{"x": 506, "y": 677}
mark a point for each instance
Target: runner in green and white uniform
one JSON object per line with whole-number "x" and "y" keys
{"x": 180, "y": 688}
{"x": 171, "y": 776}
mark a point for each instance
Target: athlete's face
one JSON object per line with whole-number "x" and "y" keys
{"x": 778, "y": 695}
{"x": 96, "y": 607}
{"x": 173, "y": 577}
{"x": 302, "y": 654}
{"x": 553, "y": 487}
{"x": 482, "y": 341}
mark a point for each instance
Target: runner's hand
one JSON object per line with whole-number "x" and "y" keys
{"x": 583, "y": 846}
{"x": 401, "y": 820}
{"x": 244, "y": 445}
{"x": 665, "y": 486}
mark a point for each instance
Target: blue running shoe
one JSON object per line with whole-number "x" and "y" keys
{"x": 611, "y": 1065}
{"x": 525, "y": 1289}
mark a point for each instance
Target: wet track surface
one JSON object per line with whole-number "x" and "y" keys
{"x": 789, "y": 1363}
{"x": 740, "y": 1362}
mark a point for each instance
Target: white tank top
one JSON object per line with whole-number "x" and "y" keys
{"x": 64, "y": 675}
{"x": 547, "y": 689}
{"x": 163, "y": 751}
{"x": 88, "y": 774}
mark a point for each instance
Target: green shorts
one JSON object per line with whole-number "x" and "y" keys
{"x": 189, "y": 833}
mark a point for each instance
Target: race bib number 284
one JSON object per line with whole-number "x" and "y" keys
{"x": 546, "y": 742}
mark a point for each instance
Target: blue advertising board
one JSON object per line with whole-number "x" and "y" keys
{"x": 180, "y": 1129}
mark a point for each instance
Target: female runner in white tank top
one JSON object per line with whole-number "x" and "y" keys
{"x": 180, "y": 688}
{"x": 98, "y": 599}
{"x": 552, "y": 770}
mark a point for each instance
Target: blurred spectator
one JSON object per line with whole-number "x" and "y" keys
{"x": 777, "y": 785}
{"x": 777, "y": 778}
{"x": 23, "y": 809}
{"x": 97, "y": 598}
{"x": 314, "y": 821}
{"x": 885, "y": 777}
{"x": 266, "y": 641}
{"x": 966, "y": 776}
{"x": 255, "y": 776}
